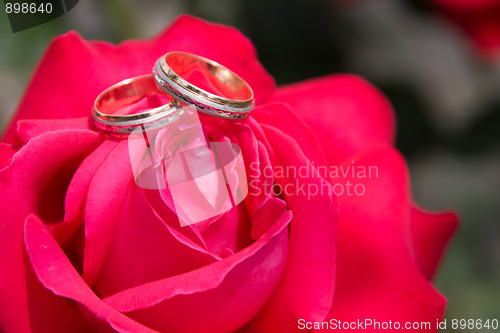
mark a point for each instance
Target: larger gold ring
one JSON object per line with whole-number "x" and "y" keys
{"x": 234, "y": 98}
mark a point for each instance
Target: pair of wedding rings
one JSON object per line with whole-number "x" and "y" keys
{"x": 230, "y": 97}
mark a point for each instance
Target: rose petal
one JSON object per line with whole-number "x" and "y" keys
{"x": 33, "y": 168}
{"x": 188, "y": 235}
{"x": 6, "y": 153}
{"x": 230, "y": 232}
{"x": 431, "y": 235}
{"x": 265, "y": 216}
{"x": 307, "y": 285}
{"x": 377, "y": 276}
{"x": 255, "y": 155}
{"x": 141, "y": 247}
{"x": 259, "y": 134}
{"x": 70, "y": 233}
{"x": 77, "y": 190}
{"x": 103, "y": 205}
{"x": 57, "y": 274}
{"x": 28, "y": 129}
{"x": 122, "y": 232}
{"x": 283, "y": 117}
{"x": 222, "y": 296}
{"x": 345, "y": 112}
{"x": 57, "y": 314}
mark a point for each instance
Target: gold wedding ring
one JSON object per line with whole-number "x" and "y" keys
{"x": 230, "y": 97}
{"x": 127, "y": 92}
{"x": 233, "y": 99}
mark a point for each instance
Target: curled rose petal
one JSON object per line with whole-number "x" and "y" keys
{"x": 6, "y": 153}
{"x": 56, "y": 273}
{"x": 76, "y": 194}
{"x": 431, "y": 234}
{"x": 29, "y": 129}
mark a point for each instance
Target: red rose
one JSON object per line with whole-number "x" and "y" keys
{"x": 82, "y": 250}
{"x": 480, "y": 19}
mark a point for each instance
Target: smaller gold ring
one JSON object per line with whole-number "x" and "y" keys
{"x": 125, "y": 93}
{"x": 236, "y": 99}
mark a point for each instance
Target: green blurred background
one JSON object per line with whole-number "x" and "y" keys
{"x": 445, "y": 94}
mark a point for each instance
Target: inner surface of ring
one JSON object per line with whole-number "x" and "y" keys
{"x": 215, "y": 79}
{"x": 117, "y": 98}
